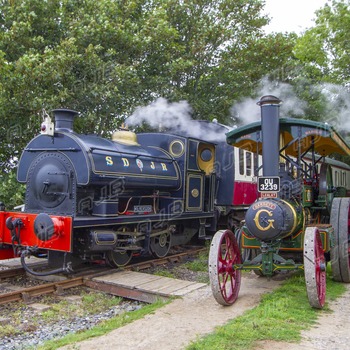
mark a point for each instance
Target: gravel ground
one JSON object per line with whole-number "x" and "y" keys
{"x": 34, "y": 329}
{"x": 61, "y": 328}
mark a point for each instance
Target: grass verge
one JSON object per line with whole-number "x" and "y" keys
{"x": 280, "y": 316}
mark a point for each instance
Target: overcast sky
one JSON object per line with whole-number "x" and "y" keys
{"x": 291, "y": 15}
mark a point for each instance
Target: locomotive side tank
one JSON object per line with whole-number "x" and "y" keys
{"x": 55, "y": 168}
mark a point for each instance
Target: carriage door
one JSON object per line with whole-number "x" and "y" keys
{"x": 200, "y": 180}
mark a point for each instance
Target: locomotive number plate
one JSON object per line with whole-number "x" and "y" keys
{"x": 142, "y": 209}
{"x": 268, "y": 184}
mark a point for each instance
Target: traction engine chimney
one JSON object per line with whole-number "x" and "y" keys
{"x": 270, "y": 134}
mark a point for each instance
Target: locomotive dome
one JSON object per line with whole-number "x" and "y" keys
{"x": 125, "y": 136}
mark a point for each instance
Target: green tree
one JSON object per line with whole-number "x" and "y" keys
{"x": 325, "y": 47}
{"x": 104, "y": 58}
{"x": 323, "y": 54}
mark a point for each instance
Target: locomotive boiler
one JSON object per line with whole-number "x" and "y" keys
{"x": 91, "y": 198}
{"x": 300, "y": 219}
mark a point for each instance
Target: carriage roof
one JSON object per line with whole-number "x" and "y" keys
{"x": 298, "y": 136}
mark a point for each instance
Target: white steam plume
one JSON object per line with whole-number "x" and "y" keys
{"x": 247, "y": 110}
{"x": 162, "y": 114}
{"x": 338, "y": 105}
{"x": 176, "y": 117}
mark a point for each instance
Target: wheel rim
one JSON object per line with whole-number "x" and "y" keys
{"x": 160, "y": 245}
{"x": 315, "y": 268}
{"x": 245, "y": 253}
{"x": 225, "y": 281}
{"x": 340, "y": 253}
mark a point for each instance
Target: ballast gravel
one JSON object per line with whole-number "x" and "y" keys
{"x": 45, "y": 332}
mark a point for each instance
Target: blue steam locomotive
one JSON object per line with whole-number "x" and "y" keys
{"x": 91, "y": 198}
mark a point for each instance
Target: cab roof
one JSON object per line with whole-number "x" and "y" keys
{"x": 298, "y": 135}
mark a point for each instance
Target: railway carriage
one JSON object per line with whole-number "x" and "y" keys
{"x": 300, "y": 220}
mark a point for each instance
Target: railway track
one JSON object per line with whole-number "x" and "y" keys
{"x": 84, "y": 278}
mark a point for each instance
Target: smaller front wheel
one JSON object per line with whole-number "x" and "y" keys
{"x": 225, "y": 280}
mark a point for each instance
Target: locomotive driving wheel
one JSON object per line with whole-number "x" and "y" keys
{"x": 315, "y": 268}
{"x": 160, "y": 245}
{"x": 340, "y": 253}
{"x": 225, "y": 281}
{"x": 118, "y": 258}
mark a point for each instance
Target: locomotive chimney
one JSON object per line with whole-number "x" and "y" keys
{"x": 270, "y": 134}
{"x": 64, "y": 119}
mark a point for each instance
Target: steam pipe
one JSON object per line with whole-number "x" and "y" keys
{"x": 26, "y": 253}
{"x": 270, "y": 129}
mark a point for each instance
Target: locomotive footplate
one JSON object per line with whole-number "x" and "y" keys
{"x": 88, "y": 221}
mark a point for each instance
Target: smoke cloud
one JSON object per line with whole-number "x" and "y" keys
{"x": 162, "y": 114}
{"x": 176, "y": 117}
{"x": 337, "y": 98}
{"x": 247, "y": 111}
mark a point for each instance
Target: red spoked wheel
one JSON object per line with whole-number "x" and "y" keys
{"x": 340, "y": 252}
{"x": 315, "y": 268}
{"x": 225, "y": 281}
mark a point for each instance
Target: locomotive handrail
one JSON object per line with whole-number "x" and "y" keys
{"x": 129, "y": 154}
{"x": 69, "y": 149}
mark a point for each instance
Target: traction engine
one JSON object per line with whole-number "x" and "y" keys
{"x": 300, "y": 220}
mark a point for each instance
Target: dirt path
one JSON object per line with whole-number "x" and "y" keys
{"x": 331, "y": 331}
{"x": 184, "y": 320}
{"x": 177, "y": 324}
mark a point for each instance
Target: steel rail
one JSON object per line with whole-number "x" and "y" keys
{"x": 58, "y": 287}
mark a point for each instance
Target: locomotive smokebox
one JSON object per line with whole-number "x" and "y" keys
{"x": 270, "y": 134}
{"x": 64, "y": 119}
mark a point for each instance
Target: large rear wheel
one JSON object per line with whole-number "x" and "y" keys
{"x": 340, "y": 252}
{"x": 225, "y": 280}
{"x": 315, "y": 268}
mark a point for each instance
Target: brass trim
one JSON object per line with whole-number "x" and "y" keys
{"x": 182, "y": 148}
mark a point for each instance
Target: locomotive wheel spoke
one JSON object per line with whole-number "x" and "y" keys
{"x": 340, "y": 257}
{"x": 315, "y": 268}
{"x": 225, "y": 281}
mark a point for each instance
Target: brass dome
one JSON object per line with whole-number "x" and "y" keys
{"x": 126, "y": 137}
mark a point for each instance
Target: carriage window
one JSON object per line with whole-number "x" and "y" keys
{"x": 248, "y": 158}
{"x": 344, "y": 179}
{"x": 336, "y": 178}
{"x": 241, "y": 161}
{"x": 253, "y": 164}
